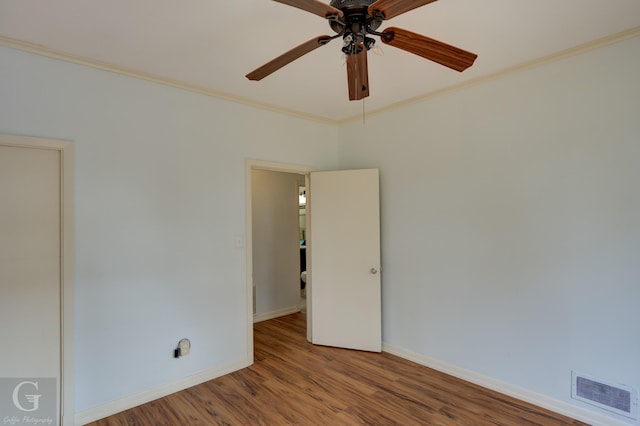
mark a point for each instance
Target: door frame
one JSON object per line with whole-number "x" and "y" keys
{"x": 252, "y": 164}
{"x": 65, "y": 148}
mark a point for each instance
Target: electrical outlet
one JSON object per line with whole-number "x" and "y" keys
{"x": 185, "y": 347}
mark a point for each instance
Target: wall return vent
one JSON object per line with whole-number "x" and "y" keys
{"x": 619, "y": 399}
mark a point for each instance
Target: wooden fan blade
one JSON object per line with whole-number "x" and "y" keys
{"x": 313, "y": 6}
{"x": 434, "y": 50}
{"x": 358, "y": 76}
{"x": 288, "y": 57}
{"x": 392, "y": 8}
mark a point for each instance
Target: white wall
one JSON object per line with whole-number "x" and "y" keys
{"x": 159, "y": 202}
{"x": 276, "y": 252}
{"x": 511, "y": 222}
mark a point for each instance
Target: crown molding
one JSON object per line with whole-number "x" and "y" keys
{"x": 41, "y": 50}
{"x": 583, "y": 48}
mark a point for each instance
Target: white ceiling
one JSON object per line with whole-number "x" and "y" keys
{"x": 212, "y": 44}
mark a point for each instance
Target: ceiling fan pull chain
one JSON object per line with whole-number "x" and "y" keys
{"x": 363, "y": 111}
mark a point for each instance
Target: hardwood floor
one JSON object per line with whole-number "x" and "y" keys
{"x": 294, "y": 382}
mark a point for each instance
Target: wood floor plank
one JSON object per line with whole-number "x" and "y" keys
{"x": 295, "y": 383}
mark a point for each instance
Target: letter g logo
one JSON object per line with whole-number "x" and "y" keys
{"x": 33, "y": 399}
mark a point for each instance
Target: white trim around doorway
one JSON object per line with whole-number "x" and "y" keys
{"x": 66, "y": 262}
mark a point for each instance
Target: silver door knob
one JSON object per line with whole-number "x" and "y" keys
{"x": 374, "y": 270}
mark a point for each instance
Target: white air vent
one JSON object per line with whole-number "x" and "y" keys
{"x": 616, "y": 398}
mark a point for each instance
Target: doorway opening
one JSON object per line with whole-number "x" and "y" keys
{"x": 277, "y": 242}
{"x": 342, "y": 252}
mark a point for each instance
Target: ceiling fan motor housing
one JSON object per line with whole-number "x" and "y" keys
{"x": 356, "y": 23}
{"x": 344, "y": 5}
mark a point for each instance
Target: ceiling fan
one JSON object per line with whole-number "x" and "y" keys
{"x": 355, "y": 21}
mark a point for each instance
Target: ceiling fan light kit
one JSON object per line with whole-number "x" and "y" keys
{"x": 356, "y": 21}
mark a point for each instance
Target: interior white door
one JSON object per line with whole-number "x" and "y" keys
{"x": 344, "y": 270}
{"x": 30, "y": 262}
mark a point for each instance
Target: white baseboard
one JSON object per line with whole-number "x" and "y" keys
{"x": 560, "y": 407}
{"x": 114, "y": 407}
{"x": 275, "y": 314}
